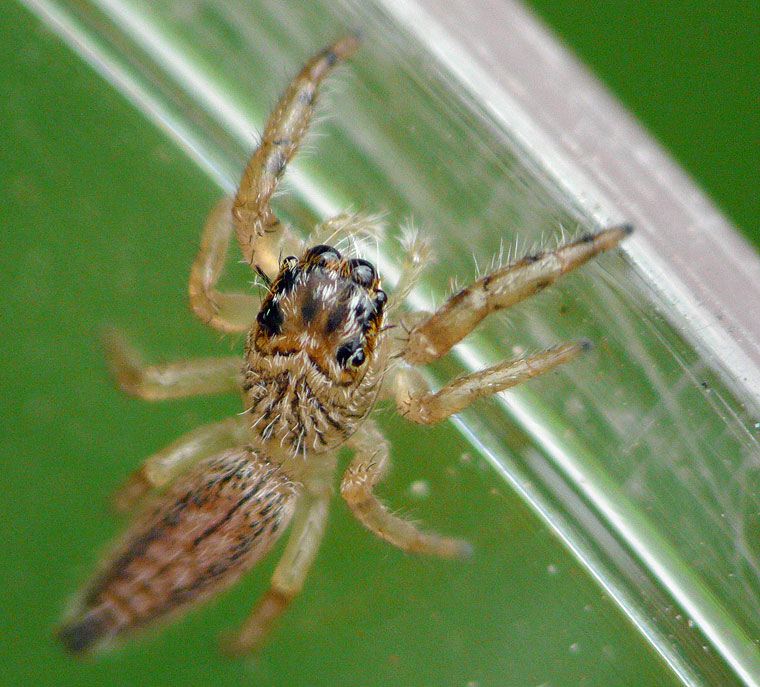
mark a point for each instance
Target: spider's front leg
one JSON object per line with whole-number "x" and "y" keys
{"x": 179, "y": 379}
{"x": 260, "y": 233}
{"x": 368, "y": 467}
{"x": 417, "y": 403}
{"x": 434, "y": 336}
{"x": 253, "y": 216}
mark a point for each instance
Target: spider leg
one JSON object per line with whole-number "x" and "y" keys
{"x": 287, "y": 581}
{"x": 162, "y": 467}
{"x": 179, "y": 379}
{"x": 456, "y": 318}
{"x": 227, "y": 312}
{"x": 416, "y": 403}
{"x": 368, "y": 467}
{"x": 252, "y": 215}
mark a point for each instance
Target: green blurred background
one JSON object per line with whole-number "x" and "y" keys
{"x": 102, "y": 213}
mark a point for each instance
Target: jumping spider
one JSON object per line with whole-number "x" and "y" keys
{"x": 317, "y": 359}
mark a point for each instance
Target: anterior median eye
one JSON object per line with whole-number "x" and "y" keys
{"x": 350, "y": 350}
{"x": 270, "y": 319}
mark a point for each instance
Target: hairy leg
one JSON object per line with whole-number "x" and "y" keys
{"x": 417, "y": 404}
{"x": 161, "y": 468}
{"x": 227, "y": 312}
{"x": 289, "y": 575}
{"x": 179, "y": 379}
{"x": 252, "y": 215}
{"x": 508, "y": 285}
{"x": 368, "y": 467}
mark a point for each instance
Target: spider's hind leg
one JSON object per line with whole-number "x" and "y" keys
{"x": 289, "y": 576}
{"x": 162, "y": 467}
{"x": 369, "y": 466}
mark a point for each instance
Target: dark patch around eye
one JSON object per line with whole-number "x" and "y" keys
{"x": 308, "y": 309}
{"x": 362, "y": 272}
{"x": 346, "y": 351}
{"x": 270, "y": 319}
{"x": 286, "y": 282}
{"x": 335, "y": 318}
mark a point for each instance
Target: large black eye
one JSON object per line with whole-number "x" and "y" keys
{"x": 350, "y": 350}
{"x": 362, "y": 272}
{"x": 270, "y": 319}
{"x": 322, "y": 254}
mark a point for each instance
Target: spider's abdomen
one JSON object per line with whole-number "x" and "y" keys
{"x": 213, "y": 525}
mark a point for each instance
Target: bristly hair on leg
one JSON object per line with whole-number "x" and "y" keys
{"x": 418, "y": 256}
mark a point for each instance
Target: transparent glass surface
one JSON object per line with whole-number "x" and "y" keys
{"x": 612, "y": 505}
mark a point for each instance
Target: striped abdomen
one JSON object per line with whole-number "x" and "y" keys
{"x": 213, "y": 525}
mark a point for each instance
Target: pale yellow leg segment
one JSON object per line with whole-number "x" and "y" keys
{"x": 227, "y": 312}
{"x": 287, "y": 581}
{"x": 179, "y": 379}
{"x": 161, "y": 468}
{"x": 506, "y": 286}
{"x": 284, "y": 131}
{"x": 368, "y": 467}
{"x": 416, "y": 403}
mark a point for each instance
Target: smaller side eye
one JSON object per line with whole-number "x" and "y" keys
{"x": 380, "y": 298}
{"x": 288, "y": 275}
{"x": 322, "y": 254}
{"x": 362, "y": 272}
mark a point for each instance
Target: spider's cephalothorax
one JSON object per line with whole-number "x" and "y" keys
{"x": 311, "y": 374}
{"x": 317, "y": 358}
